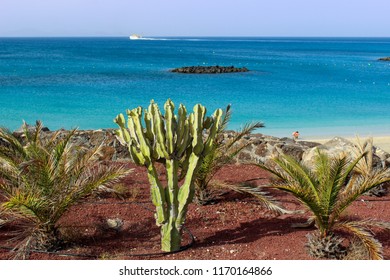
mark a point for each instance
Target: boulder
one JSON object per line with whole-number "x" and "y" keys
{"x": 334, "y": 148}
{"x": 338, "y": 146}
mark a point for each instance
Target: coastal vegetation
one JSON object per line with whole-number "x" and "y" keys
{"x": 48, "y": 176}
{"x": 223, "y": 151}
{"x": 41, "y": 178}
{"x": 327, "y": 189}
{"x": 173, "y": 141}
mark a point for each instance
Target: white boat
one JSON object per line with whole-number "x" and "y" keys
{"x": 135, "y": 37}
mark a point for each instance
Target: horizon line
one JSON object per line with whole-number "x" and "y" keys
{"x": 187, "y": 36}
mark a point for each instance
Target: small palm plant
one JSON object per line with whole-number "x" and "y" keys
{"x": 41, "y": 178}
{"x": 326, "y": 190}
{"x": 222, "y": 153}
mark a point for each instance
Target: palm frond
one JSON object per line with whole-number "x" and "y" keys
{"x": 307, "y": 199}
{"x": 290, "y": 184}
{"x": 32, "y": 136}
{"x": 296, "y": 172}
{"x": 60, "y": 149}
{"x": 4, "y": 216}
{"x": 360, "y": 230}
{"x": 26, "y": 204}
{"x": 333, "y": 183}
{"x": 264, "y": 198}
{"x": 357, "y": 186}
{"x": 366, "y": 147}
{"x": 86, "y": 183}
{"x": 13, "y": 148}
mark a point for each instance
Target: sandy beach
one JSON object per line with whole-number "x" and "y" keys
{"x": 382, "y": 142}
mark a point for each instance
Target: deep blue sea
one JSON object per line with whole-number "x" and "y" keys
{"x": 319, "y": 86}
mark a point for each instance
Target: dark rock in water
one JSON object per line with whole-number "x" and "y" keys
{"x": 384, "y": 58}
{"x": 209, "y": 69}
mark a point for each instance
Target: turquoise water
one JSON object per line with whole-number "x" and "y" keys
{"x": 319, "y": 86}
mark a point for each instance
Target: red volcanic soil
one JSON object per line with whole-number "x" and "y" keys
{"x": 235, "y": 227}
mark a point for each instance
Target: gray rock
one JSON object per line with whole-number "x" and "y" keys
{"x": 334, "y": 147}
{"x": 338, "y": 146}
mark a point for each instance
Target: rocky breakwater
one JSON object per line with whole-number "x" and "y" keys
{"x": 261, "y": 148}
{"x": 258, "y": 147}
{"x": 209, "y": 69}
{"x": 111, "y": 148}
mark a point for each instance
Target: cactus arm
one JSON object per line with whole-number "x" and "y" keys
{"x": 126, "y": 139}
{"x": 136, "y": 153}
{"x": 187, "y": 190}
{"x": 130, "y": 126}
{"x": 182, "y": 126}
{"x": 172, "y": 189}
{"x": 120, "y": 120}
{"x": 159, "y": 131}
{"x": 144, "y": 145}
{"x": 148, "y": 118}
{"x": 185, "y": 162}
{"x": 122, "y": 133}
{"x": 184, "y": 141}
{"x": 158, "y": 195}
{"x": 172, "y": 167}
{"x": 170, "y": 126}
{"x": 197, "y": 120}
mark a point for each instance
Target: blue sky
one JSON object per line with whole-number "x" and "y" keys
{"x": 360, "y": 18}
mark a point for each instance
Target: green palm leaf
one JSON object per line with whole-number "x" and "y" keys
{"x": 259, "y": 192}
{"x": 26, "y": 204}
{"x": 299, "y": 174}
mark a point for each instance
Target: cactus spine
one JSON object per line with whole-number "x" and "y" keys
{"x": 178, "y": 142}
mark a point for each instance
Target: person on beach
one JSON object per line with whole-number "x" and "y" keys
{"x": 295, "y": 135}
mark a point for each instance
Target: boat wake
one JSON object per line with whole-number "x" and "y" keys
{"x": 167, "y": 39}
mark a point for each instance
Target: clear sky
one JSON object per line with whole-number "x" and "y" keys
{"x": 358, "y": 18}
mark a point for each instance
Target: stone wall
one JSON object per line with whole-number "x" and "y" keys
{"x": 260, "y": 148}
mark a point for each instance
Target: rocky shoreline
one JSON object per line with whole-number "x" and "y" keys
{"x": 260, "y": 147}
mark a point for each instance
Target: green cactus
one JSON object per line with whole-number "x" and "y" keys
{"x": 178, "y": 142}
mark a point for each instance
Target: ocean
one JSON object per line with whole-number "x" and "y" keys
{"x": 319, "y": 86}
